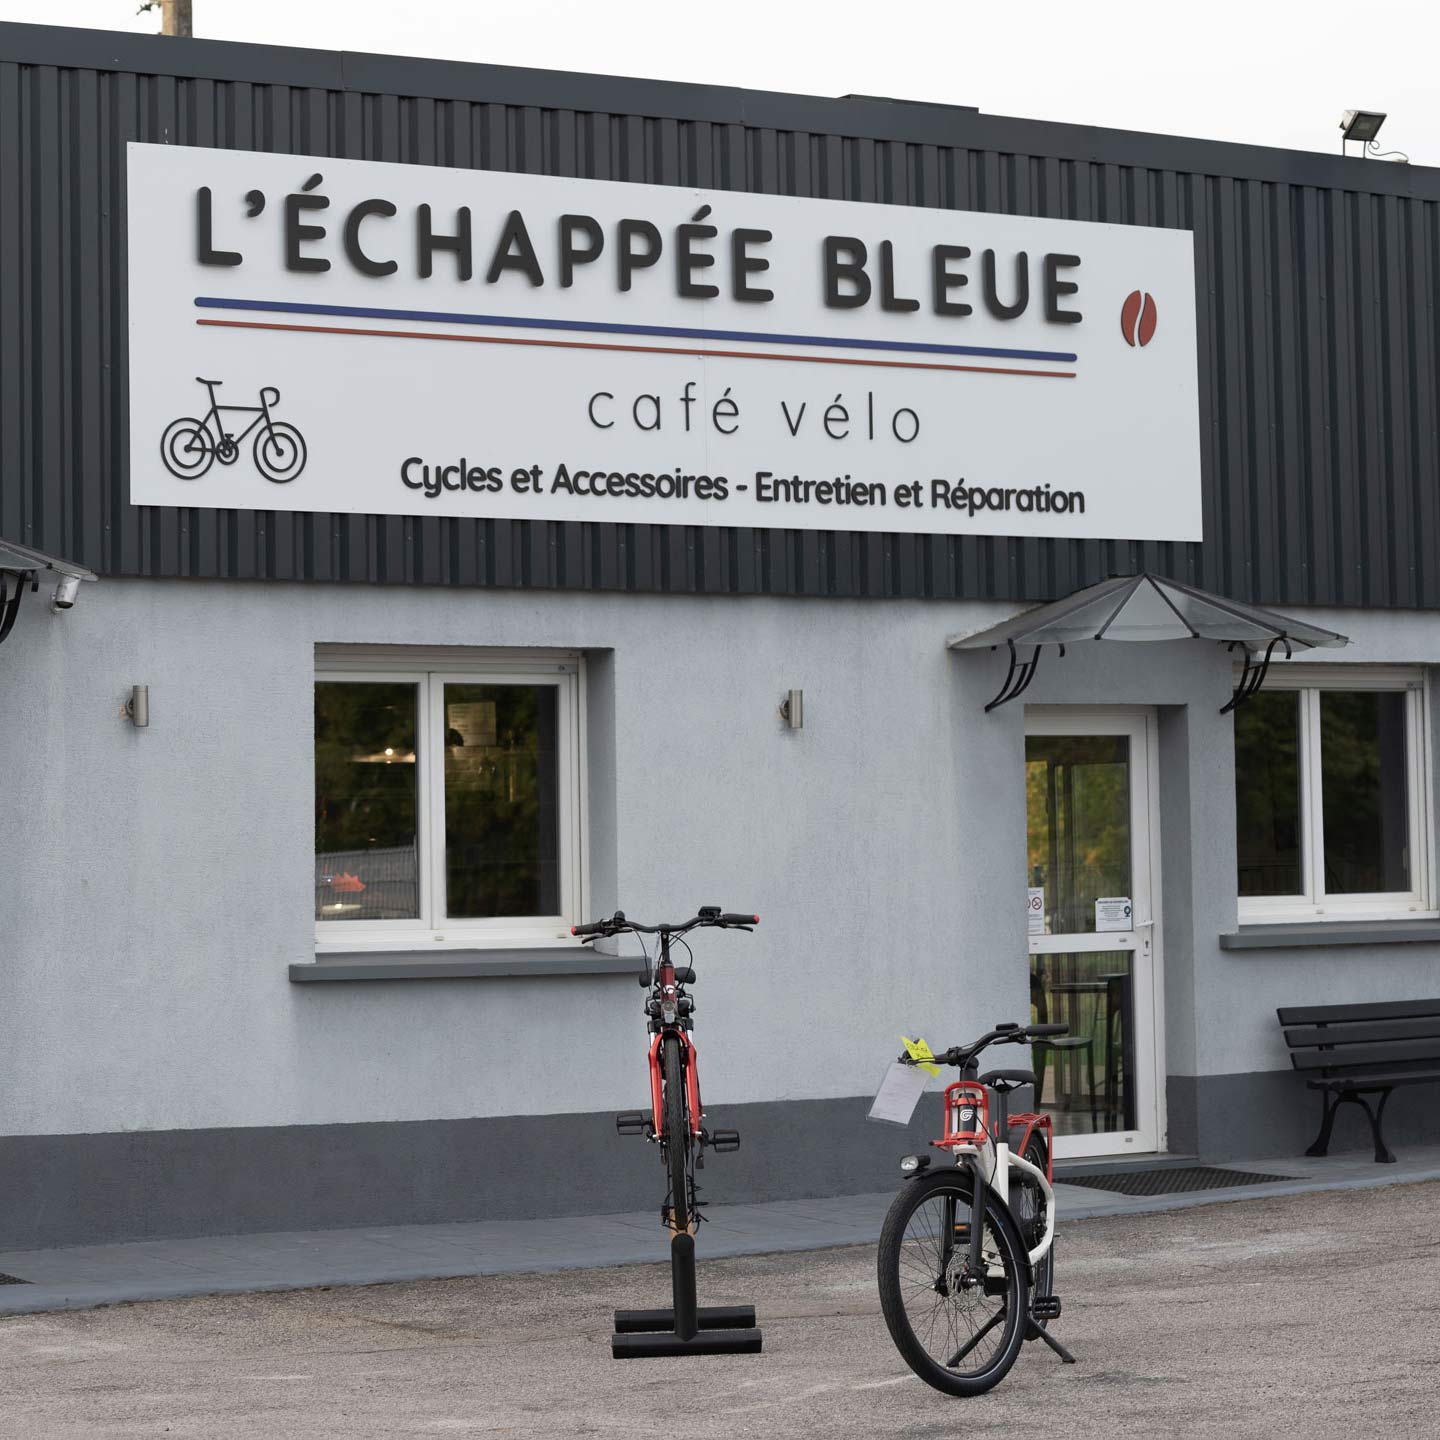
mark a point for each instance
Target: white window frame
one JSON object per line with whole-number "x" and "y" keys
{"x": 1315, "y": 904}
{"x": 430, "y": 671}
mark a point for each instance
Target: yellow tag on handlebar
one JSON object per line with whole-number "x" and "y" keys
{"x": 921, "y": 1053}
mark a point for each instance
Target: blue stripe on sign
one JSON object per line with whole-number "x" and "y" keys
{"x": 521, "y": 322}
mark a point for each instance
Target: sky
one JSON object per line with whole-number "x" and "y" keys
{"x": 1262, "y": 72}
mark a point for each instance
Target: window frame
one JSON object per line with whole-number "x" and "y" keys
{"x": 430, "y": 671}
{"x": 1315, "y": 903}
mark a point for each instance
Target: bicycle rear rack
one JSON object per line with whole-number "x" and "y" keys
{"x": 686, "y": 1328}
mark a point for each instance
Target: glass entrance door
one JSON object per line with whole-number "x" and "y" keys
{"x": 1091, "y": 878}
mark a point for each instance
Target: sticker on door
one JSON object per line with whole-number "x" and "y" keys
{"x": 1114, "y": 913}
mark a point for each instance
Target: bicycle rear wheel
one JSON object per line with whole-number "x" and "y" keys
{"x": 958, "y": 1331}
{"x": 1031, "y": 1208}
{"x": 676, "y": 1141}
{"x": 187, "y": 448}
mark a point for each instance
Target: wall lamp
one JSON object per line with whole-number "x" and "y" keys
{"x": 137, "y": 707}
{"x": 792, "y": 709}
{"x": 65, "y": 593}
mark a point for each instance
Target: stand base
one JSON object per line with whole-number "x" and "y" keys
{"x": 707, "y": 1317}
{"x": 686, "y": 1328}
{"x": 626, "y": 1345}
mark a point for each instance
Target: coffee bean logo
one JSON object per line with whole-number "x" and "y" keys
{"x": 1137, "y": 318}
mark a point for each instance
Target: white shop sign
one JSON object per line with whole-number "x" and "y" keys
{"x": 406, "y": 339}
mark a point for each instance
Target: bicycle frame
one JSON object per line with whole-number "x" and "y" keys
{"x": 261, "y": 412}
{"x": 968, "y": 1153}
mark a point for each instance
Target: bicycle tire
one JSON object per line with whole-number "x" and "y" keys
{"x": 196, "y": 448}
{"x": 279, "y": 452}
{"x": 904, "y": 1271}
{"x": 677, "y": 1132}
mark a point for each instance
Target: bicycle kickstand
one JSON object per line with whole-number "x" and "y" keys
{"x": 1037, "y": 1333}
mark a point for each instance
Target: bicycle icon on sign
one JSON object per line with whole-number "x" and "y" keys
{"x": 189, "y": 447}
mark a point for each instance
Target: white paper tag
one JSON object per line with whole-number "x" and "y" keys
{"x": 1114, "y": 913}
{"x": 899, "y": 1093}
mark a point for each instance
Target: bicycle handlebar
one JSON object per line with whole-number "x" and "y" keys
{"x": 1009, "y": 1034}
{"x": 617, "y": 924}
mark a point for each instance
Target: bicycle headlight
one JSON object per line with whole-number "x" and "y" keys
{"x": 667, "y": 1011}
{"x": 913, "y": 1164}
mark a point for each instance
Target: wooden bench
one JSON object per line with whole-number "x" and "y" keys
{"x": 1351, "y": 1051}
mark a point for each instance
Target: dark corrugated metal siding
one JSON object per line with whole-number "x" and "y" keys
{"x": 1319, "y": 351}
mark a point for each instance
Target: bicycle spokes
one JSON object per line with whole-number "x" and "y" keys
{"x": 962, "y": 1309}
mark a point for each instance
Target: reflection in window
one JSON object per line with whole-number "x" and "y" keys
{"x": 501, "y": 801}
{"x": 1362, "y": 769}
{"x": 366, "y": 801}
{"x": 1267, "y": 794}
{"x": 1085, "y": 1079}
{"x": 1077, "y": 790}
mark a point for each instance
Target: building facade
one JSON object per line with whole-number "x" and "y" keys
{"x": 295, "y": 953}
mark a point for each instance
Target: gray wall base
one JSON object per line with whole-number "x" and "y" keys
{"x": 88, "y": 1189}
{"x": 1271, "y": 1112}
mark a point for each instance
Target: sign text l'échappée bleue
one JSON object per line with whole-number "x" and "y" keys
{"x": 354, "y": 336}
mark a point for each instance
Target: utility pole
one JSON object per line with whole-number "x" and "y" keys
{"x": 175, "y": 18}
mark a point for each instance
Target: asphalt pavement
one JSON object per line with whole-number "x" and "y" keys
{"x": 1312, "y": 1315}
{"x": 77, "y": 1277}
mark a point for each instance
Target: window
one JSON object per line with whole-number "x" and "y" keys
{"x": 1332, "y": 796}
{"x": 447, "y": 799}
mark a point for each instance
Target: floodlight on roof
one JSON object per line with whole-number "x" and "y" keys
{"x": 1361, "y": 125}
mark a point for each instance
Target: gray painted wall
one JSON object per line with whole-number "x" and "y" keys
{"x": 164, "y": 885}
{"x": 161, "y": 885}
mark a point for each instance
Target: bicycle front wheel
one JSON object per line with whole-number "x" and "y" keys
{"x": 676, "y": 1140}
{"x": 957, "y": 1330}
{"x": 279, "y": 452}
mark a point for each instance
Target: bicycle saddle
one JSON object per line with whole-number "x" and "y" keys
{"x": 201, "y": 380}
{"x": 1004, "y": 1080}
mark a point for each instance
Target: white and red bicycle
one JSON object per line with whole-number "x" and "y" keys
{"x": 967, "y": 1253}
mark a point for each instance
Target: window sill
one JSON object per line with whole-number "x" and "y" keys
{"x": 1311, "y": 935}
{"x": 460, "y": 964}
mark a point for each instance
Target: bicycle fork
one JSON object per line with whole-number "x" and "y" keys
{"x": 975, "y": 1236}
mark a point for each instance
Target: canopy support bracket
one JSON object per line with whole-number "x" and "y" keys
{"x": 10, "y": 605}
{"x": 1017, "y": 677}
{"x": 1252, "y": 677}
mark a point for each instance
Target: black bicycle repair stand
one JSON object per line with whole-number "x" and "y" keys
{"x": 687, "y": 1328}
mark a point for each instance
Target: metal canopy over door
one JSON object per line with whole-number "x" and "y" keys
{"x": 1092, "y": 878}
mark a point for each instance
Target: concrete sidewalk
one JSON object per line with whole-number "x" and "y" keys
{"x": 88, "y": 1275}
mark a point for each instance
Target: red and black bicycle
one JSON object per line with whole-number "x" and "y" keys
{"x": 676, "y": 1116}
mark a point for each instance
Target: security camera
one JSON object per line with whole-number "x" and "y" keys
{"x": 65, "y": 592}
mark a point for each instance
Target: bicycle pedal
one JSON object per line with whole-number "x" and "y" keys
{"x": 1045, "y": 1307}
{"x": 724, "y": 1140}
{"x": 631, "y": 1122}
